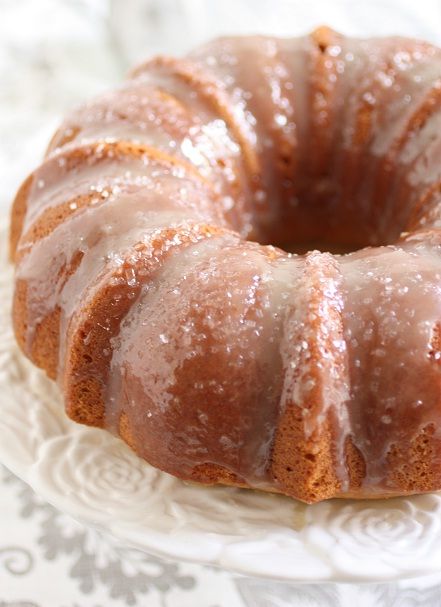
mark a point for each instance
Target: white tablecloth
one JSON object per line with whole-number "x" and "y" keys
{"x": 53, "y": 54}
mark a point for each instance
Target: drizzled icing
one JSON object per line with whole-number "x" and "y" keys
{"x": 99, "y": 235}
{"x": 314, "y": 352}
{"x": 392, "y": 308}
{"x": 192, "y": 338}
{"x": 317, "y": 138}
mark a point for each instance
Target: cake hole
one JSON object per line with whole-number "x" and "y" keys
{"x": 323, "y": 247}
{"x": 292, "y": 230}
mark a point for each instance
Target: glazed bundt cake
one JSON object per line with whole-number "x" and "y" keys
{"x": 152, "y": 280}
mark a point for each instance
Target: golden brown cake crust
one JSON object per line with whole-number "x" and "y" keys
{"x": 140, "y": 286}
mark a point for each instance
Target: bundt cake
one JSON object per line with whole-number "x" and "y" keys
{"x": 152, "y": 280}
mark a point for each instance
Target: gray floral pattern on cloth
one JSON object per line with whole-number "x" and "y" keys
{"x": 16, "y": 560}
{"x": 89, "y": 567}
{"x": 128, "y": 574}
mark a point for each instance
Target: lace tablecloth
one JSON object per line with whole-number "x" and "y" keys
{"x": 53, "y": 54}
